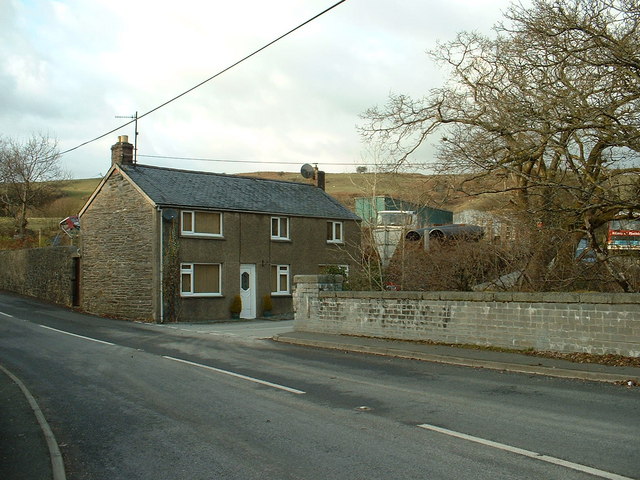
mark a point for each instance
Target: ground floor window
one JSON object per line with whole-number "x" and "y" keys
{"x": 280, "y": 280}
{"x": 200, "y": 279}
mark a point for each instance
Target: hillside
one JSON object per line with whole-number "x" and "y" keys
{"x": 436, "y": 191}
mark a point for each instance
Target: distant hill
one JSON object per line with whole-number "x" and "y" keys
{"x": 436, "y": 191}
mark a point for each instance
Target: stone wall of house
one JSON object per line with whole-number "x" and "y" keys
{"x": 119, "y": 267}
{"x": 564, "y": 322}
{"x": 44, "y": 273}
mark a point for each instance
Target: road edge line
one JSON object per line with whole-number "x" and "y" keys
{"x": 57, "y": 465}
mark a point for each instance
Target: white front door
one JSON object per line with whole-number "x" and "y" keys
{"x": 248, "y": 290}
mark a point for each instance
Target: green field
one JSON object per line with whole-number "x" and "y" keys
{"x": 81, "y": 189}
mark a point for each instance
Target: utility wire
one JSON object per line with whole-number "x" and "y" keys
{"x": 200, "y": 159}
{"x": 196, "y": 159}
{"x": 208, "y": 79}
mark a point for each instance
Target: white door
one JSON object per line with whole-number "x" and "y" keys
{"x": 248, "y": 290}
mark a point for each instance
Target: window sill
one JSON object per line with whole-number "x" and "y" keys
{"x": 281, "y": 294}
{"x": 280, "y": 240}
{"x": 201, "y": 295}
{"x": 202, "y": 236}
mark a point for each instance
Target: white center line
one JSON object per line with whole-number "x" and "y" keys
{"x": 78, "y": 336}
{"x": 237, "y": 375}
{"x": 6, "y": 314}
{"x": 526, "y": 453}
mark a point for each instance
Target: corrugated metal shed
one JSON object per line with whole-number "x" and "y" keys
{"x": 367, "y": 208}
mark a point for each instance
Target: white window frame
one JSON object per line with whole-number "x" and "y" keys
{"x": 189, "y": 269}
{"x": 334, "y": 238}
{"x": 282, "y": 270}
{"x": 277, "y": 235}
{"x": 189, "y": 230}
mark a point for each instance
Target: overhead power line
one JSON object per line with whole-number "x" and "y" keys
{"x": 266, "y": 162}
{"x": 196, "y": 159}
{"x": 208, "y": 79}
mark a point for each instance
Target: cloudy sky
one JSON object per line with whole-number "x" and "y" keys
{"x": 68, "y": 68}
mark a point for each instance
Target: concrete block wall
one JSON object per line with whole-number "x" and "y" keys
{"x": 44, "y": 273}
{"x": 592, "y": 323}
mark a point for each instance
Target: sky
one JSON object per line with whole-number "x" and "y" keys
{"x": 69, "y": 68}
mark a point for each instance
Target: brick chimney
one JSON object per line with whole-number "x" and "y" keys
{"x": 122, "y": 152}
{"x": 318, "y": 177}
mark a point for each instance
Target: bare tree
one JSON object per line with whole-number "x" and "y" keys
{"x": 26, "y": 167}
{"x": 552, "y": 103}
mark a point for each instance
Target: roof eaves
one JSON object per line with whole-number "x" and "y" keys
{"x": 347, "y": 216}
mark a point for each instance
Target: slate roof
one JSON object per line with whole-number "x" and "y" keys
{"x": 203, "y": 190}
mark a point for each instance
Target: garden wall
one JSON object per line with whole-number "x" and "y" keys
{"x": 598, "y": 323}
{"x": 45, "y": 273}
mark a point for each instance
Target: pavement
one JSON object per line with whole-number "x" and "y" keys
{"x": 25, "y": 454}
{"x": 468, "y": 357}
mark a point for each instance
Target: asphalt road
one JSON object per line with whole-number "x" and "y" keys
{"x": 135, "y": 401}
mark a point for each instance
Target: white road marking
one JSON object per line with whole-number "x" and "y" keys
{"x": 237, "y": 375}
{"x": 78, "y": 336}
{"x": 6, "y": 314}
{"x": 218, "y": 370}
{"x": 527, "y": 453}
{"x": 57, "y": 465}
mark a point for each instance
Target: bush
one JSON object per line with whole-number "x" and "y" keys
{"x": 267, "y": 304}
{"x": 236, "y": 305}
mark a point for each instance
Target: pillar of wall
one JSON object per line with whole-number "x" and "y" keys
{"x": 306, "y": 289}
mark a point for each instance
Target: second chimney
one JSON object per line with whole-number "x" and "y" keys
{"x": 318, "y": 177}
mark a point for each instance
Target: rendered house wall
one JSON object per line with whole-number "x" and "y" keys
{"x": 247, "y": 240}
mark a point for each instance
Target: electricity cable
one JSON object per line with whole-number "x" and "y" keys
{"x": 201, "y": 159}
{"x": 247, "y": 57}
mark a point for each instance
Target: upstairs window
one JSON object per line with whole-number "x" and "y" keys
{"x": 280, "y": 280}
{"x": 201, "y": 224}
{"x": 279, "y": 228}
{"x": 334, "y": 232}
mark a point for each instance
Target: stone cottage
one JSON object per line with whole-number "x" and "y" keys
{"x": 161, "y": 244}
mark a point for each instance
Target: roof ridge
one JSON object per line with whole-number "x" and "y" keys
{"x": 228, "y": 175}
